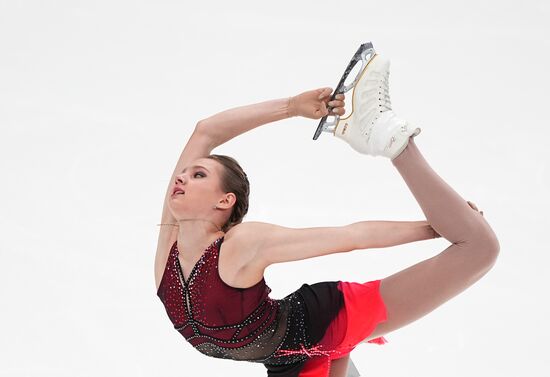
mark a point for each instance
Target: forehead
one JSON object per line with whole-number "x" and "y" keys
{"x": 201, "y": 162}
{"x": 206, "y": 162}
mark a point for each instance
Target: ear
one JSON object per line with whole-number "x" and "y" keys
{"x": 229, "y": 199}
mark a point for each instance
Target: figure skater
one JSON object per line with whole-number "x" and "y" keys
{"x": 217, "y": 298}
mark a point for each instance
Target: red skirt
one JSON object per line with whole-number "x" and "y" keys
{"x": 363, "y": 310}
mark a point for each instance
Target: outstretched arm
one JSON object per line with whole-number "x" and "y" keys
{"x": 276, "y": 244}
{"x": 378, "y": 234}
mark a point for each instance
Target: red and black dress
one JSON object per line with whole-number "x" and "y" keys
{"x": 295, "y": 336}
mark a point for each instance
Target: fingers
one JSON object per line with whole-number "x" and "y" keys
{"x": 474, "y": 207}
{"x": 338, "y": 104}
{"x": 324, "y": 109}
{"x": 338, "y": 99}
{"x": 325, "y": 92}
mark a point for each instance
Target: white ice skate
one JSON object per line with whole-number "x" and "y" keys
{"x": 372, "y": 127}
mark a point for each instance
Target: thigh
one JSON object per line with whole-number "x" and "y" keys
{"x": 414, "y": 292}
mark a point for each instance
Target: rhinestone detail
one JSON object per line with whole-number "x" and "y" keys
{"x": 233, "y": 323}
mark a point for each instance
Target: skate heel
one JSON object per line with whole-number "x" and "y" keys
{"x": 394, "y": 136}
{"x": 388, "y": 136}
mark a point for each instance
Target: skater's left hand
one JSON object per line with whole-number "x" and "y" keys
{"x": 474, "y": 207}
{"x": 434, "y": 233}
{"x": 313, "y": 104}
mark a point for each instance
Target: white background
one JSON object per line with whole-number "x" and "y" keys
{"x": 97, "y": 100}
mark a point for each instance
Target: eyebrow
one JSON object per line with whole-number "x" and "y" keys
{"x": 195, "y": 166}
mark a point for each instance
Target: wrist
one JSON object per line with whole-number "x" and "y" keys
{"x": 291, "y": 107}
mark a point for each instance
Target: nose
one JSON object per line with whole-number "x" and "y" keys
{"x": 179, "y": 178}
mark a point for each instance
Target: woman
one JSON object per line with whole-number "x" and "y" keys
{"x": 217, "y": 297}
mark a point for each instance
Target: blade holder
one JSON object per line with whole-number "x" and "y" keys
{"x": 364, "y": 54}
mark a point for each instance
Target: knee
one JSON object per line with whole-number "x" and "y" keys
{"x": 487, "y": 245}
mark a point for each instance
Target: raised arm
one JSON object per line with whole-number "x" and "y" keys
{"x": 219, "y": 128}
{"x": 312, "y": 104}
{"x": 199, "y": 145}
{"x": 224, "y": 126}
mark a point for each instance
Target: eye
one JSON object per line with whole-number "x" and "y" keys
{"x": 201, "y": 174}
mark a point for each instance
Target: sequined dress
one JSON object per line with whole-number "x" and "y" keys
{"x": 245, "y": 323}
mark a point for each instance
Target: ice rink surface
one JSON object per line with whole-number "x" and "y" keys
{"x": 97, "y": 100}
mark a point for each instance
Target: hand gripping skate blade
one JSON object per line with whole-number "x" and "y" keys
{"x": 364, "y": 53}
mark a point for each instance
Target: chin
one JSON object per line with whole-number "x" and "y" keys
{"x": 176, "y": 210}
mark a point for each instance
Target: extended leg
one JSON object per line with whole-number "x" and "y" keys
{"x": 414, "y": 292}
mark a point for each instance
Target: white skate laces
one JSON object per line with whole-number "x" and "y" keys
{"x": 372, "y": 127}
{"x": 384, "y": 91}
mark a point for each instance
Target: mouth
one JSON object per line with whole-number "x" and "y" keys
{"x": 178, "y": 191}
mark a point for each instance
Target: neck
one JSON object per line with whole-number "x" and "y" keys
{"x": 195, "y": 234}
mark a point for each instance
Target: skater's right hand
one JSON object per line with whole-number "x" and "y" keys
{"x": 313, "y": 104}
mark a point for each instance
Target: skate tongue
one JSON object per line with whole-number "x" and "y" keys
{"x": 389, "y": 115}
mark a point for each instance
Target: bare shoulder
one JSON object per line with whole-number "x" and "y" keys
{"x": 249, "y": 229}
{"x": 244, "y": 241}
{"x": 271, "y": 243}
{"x": 245, "y": 238}
{"x": 250, "y": 235}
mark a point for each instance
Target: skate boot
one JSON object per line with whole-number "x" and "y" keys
{"x": 372, "y": 127}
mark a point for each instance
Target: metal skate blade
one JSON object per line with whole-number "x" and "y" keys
{"x": 364, "y": 53}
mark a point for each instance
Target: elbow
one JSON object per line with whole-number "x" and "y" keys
{"x": 360, "y": 235}
{"x": 375, "y": 234}
{"x": 203, "y": 131}
{"x": 200, "y": 128}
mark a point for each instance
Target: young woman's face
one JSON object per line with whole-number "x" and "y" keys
{"x": 201, "y": 185}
